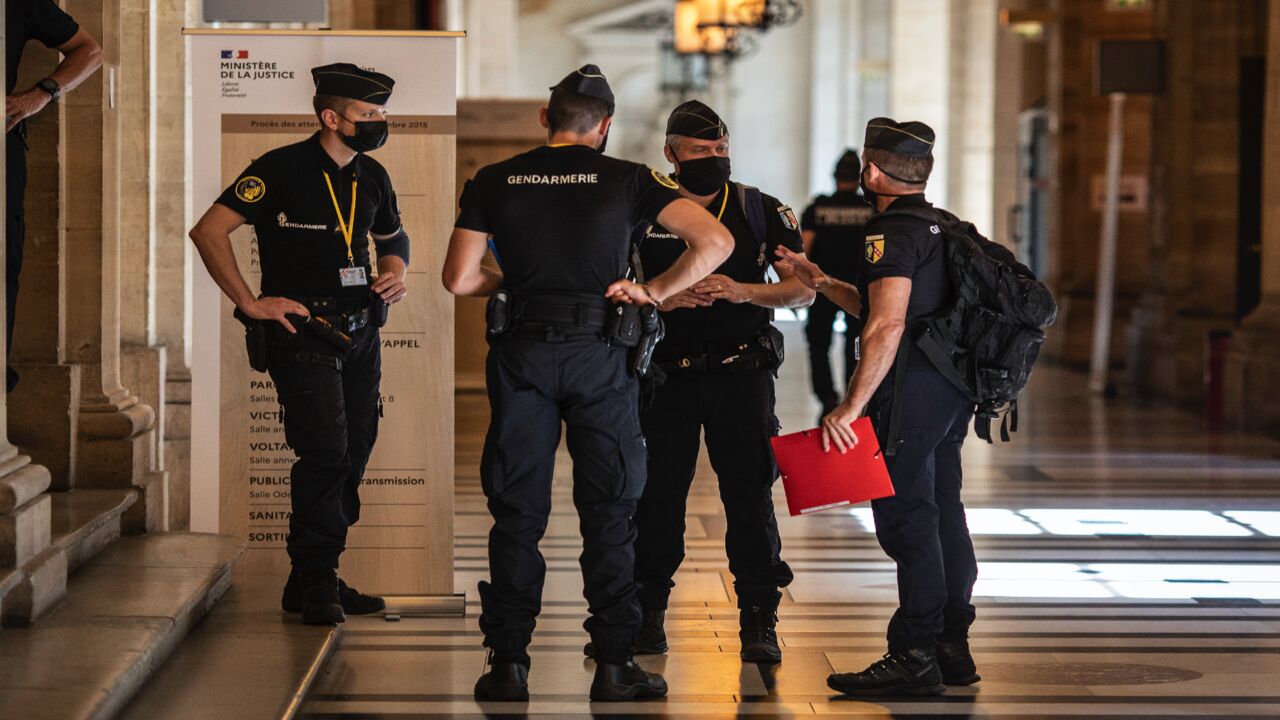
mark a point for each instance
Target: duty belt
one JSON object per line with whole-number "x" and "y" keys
{"x": 331, "y": 309}
{"x": 571, "y": 312}
{"x": 712, "y": 357}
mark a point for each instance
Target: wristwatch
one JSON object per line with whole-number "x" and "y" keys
{"x": 50, "y": 86}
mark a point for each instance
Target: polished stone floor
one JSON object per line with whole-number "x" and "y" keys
{"x": 1130, "y": 567}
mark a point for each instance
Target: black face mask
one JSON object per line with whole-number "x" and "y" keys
{"x": 369, "y": 135}
{"x": 603, "y": 141}
{"x": 871, "y": 196}
{"x": 704, "y": 176}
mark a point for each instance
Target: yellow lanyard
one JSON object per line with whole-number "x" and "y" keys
{"x": 723, "y": 203}
{"x": 348, "y": 227}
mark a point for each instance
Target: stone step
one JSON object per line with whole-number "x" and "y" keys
{"x": 86, "y": 521}
{"x": 246, "y": 643}
{"x": 125, "y": 612}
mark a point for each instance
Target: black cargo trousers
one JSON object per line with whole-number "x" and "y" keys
{"x": 736, "y": 411}
{"x": 535, "y": 382}
{"x": 331, "y": 406}
{"x": 923, "y": 526}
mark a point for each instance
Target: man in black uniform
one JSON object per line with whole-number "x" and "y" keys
{"x": 26, "y": 20}
{"x": 313, "y": 206}
{"x": 719, "y": 356}
{"x": 560, "y": 218}
{"x": 904, "y": 276}
{"x": 832, "y": 227}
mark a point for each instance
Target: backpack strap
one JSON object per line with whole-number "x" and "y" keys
{"x": 752, "y": 202}
{"x": 895, "y": 407}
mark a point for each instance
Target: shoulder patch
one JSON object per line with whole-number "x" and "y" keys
{"x": 251, "y": 189}
{"x": 788, "y": 217}
{"x": 875, "y": 248}
{"x": 664, "y": 180}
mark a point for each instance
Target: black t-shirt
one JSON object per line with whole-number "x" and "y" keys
{"x": 904, "y": 246}
{"x": 838, "y": 222}
{"x": 27, "y": 20}
{"x": 283, "y": 194}
{"x": 561, "y": 218}
{"x": 723, "y": 322}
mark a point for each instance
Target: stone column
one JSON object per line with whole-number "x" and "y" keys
{"x": 487, "y": 68}
{"x": 116, "y": 430}
{"x": 920, "y": 75}
{"x": 42, "y": 417}
{"x": 32, "y": 577}
{"x": 1254, "y": 361}
{"x": 169, "y": 219}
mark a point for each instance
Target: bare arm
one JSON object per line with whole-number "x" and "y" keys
{"x": 212, "y": 238}
{"x": 82, "y": 56}
{"x": 790, "y": 292}
{"x": 885, "y": 324}
{"x": 839, "y": 292}
{"x": 391, "y": 276}
{"x": 464, "y": 271}
{"x": 709, "y": 245}
{"x": 807, "y": 237}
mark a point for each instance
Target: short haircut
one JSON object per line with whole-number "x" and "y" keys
{"x": 904, "y": 169}
{"x": 320, "y": 103}
{"x": 570, "y": 112}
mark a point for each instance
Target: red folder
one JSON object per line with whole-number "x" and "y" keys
{"x": 816, "y": 480}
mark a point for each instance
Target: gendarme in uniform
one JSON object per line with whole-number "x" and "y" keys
{"x": 834, "y": 226}
{"x": 312, "y": 220}
{"x": 561, "y": 219}
{"x": 719, "y": 369}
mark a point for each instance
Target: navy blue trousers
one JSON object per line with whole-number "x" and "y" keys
{"x": 922, "y": 527}
{"x": 533, "y": 387}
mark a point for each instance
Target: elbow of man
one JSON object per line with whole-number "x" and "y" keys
{"x": 890, "y": 330}
{"x": 454, "y": 281}
{"x": 720, "y": 242}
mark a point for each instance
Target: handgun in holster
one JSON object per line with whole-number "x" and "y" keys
{"x": 497, "y": 315}
{"x": 324, "y": 330}
{"x": 652, "y": 330}
{"x": 255, "y": 340}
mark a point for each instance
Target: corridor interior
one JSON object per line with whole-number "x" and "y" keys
{"x": 1130, "y": 566}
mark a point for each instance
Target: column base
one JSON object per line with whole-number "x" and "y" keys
{"x": 43, "y": 413}
{"x": 1166, "y": 353}
{"x": 1253, "y": 371}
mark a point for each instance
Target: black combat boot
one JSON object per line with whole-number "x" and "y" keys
{"x": 651, "y": 640}
{"x": 505, "y": 682}
{"x": 619, "y": 683}
{"x": 914, "y": 672}
{"x": 320, "y": 603}
{"x": 956, "y": 662}
{"x": 759, "y": 635}
{"x": 353, "y": 601}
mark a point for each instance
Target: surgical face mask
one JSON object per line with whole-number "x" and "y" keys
{"x": 704, "y": 176}
{"x": 369, "y": 135}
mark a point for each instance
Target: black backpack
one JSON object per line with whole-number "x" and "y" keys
{"x": 988, "y": 339}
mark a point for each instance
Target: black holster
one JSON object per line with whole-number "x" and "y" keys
{"x": 624, "y": 326}
{"x": 497, "y": 315}
{"x": 379, "y": 310}
{"x": 652, "y": 331}
{"x": 255, "y": 340}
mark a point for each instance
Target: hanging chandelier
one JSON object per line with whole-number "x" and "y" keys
{"x": 728, "y": 27}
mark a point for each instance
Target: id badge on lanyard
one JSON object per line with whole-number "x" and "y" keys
{"x": 349, "y": 276}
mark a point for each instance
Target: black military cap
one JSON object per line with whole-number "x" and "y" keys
{"x": 912, "y": 138}
{"x": 349, "y": 81}
{"x": 587, "y": 80}
{"x": 694, "y": 119}
{"x": 849, "y": 167}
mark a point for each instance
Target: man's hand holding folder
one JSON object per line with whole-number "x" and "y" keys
{"x": 816, "y": 479}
